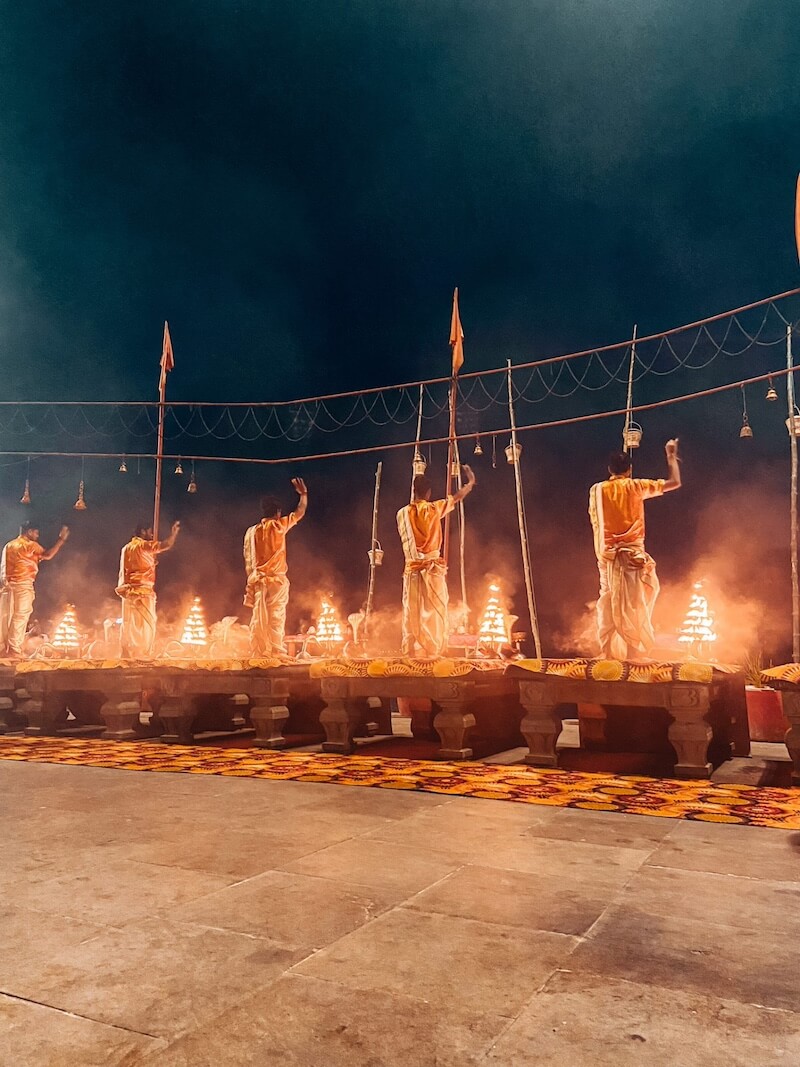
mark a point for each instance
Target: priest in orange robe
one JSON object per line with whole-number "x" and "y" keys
{"x": 628, "y": 581}
{"x": 136, "y": 588}
{"x": 265, "y": 564}
{"x": 425, "y": 597}
{"x": 19, "y": 566}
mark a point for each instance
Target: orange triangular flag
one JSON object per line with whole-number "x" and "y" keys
{"x": 456, "y": 336}
{"x": 797, "y": 218}
{"x": 167, "y": 355}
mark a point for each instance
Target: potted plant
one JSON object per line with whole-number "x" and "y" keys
{"x": 764, "y": 704}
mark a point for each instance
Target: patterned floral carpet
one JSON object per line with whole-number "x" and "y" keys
{"x": 668, "y": 798}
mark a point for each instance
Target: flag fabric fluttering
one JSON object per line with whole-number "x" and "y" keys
{"x": 456, "y": 336}
{"x": 167, "y": 355}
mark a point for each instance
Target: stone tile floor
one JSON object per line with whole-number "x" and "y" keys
{"x": 185, "y": 920}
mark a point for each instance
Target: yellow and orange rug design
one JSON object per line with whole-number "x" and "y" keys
{"x": 635, "y": 795}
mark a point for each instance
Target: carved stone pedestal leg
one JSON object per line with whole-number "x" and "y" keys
{"x": 268, "y": 716}
{"x": 7, "y": 715}
{"x": 177, "y": 714}
{"x": 121, "y": 715}
{"x": 690, "y": 736}
{"x": 340, "y": 719}
{"x": 791, "y": 709}
{"x": 240, "y": 710}
{"x": 44, "y": 714}
{"x": 453, "y": 724}
{"x": 541, "y": 724}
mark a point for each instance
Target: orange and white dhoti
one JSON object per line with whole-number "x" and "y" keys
{"x": 425, "y": 597}
{"x": 268, "y": 622}
{"x": 16, "y": 607}
{"x": 267, "y": 590}
{"x": 138, "y": 631}
{"x": 425, "y": 602}
{"x": 628, "y": 593}
{"x": 628, "y": 581}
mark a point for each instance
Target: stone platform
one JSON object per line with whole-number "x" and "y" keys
{"x": 474, "y": 705}
{"x": 186, "y": 698}
{"x": 701, "y": 706}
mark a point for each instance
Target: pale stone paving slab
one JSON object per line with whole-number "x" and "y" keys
{"x": 587, "y": 1020}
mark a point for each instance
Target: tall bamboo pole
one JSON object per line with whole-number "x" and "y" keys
{"x": 417, "y": 438}
{"x": 793, "y": 499}
{"x": 523, "y": 533}
{"x": 629, "y": 402}
{"x": 373, "y": 544}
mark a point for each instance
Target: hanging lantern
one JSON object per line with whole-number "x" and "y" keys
{"x": 192, "y": 486}
{"x": 513, "y": 452}
{"x": 771, "y": 393}
{"x": 746, "y": 430}
{"x": 793, "y": 423}
{"x": 26, "y": 492}
{"x": 477, "y": 450}
{"x": 80, "y": 503}
{"x": 375, "y": 555}
{"x": 123, "y": 467}
{"x": 632, "y": 436}
{"x": 179, "y": 467}
{"x": 419, "y": 465}
{"x": 455, "y": 468}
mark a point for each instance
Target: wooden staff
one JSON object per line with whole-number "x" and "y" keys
{"x": 372, "y": 558}
{"x": 523, "y": 534}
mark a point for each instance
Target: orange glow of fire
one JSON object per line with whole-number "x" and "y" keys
{"x": 195, "y": 632}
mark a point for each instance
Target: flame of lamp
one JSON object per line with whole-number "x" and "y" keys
{"x": 195, "y": 632}
{"x": 66, "y": 638}
{"x": 493, "y": 628}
